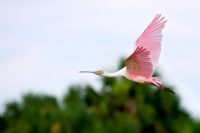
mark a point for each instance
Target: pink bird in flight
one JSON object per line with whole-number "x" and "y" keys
{"x": 141, "y": 63}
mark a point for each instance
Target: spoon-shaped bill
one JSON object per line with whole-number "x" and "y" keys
{"x": 95, "y": 72}
{"x": 86, "y": 71}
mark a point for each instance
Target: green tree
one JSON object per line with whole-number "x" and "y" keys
{"x": 120, "y": 106}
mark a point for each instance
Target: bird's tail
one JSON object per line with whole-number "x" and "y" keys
{"x": 157, "y": 82}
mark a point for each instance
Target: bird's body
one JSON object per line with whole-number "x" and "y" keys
{"x": 142, "y": 62}
{"x": 123, "y": 72}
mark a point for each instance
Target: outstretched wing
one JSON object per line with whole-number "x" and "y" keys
{"x": 147, "y": 49}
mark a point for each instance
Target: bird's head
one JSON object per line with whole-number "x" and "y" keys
{"x": 99, "y": 72}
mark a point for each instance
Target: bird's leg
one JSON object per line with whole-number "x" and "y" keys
{"x": 163, "y": 88}
{"x": 167, "y": 89}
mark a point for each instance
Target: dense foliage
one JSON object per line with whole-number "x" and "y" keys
{"x": 121, "y": 106}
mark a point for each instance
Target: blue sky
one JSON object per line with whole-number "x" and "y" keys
{"x": 45, "y": 43}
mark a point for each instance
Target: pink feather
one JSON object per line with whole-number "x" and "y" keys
{"x": 147, "y": 50}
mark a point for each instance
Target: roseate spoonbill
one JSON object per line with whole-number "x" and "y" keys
{"x": 141, "y": 63}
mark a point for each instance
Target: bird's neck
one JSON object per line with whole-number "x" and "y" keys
{"x": 115, "y": 74}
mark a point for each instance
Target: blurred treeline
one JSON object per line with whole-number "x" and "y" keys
{"x": 121, "y": 106}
